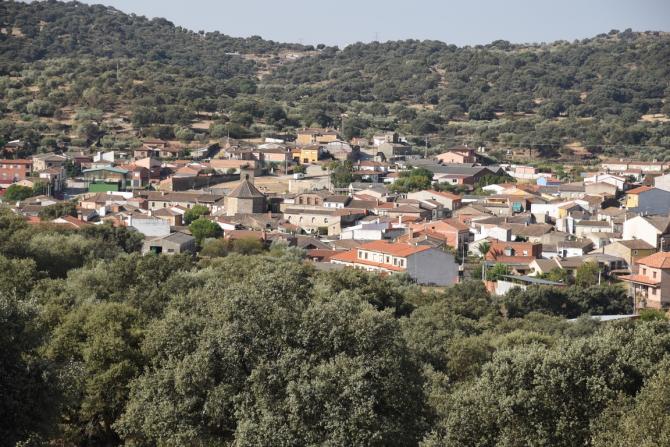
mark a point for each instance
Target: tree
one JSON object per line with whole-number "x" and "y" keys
{"x": 247, "y": 246}
{"x": 17, "y": 192}
{"x": 29, "y": 402}
{"x": 298, "y": 370}
{"x": 497, "y": 272}
{"x": 97, "y": 350}
{"x": 587, "y": 274}
{"x": 202, "y": 229}
{"x": 56, "y": 210}
{"x": 196, "y": 212}
{"x": 644, "y": 420}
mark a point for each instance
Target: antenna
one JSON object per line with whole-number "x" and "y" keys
{"x": 376, "y": 36}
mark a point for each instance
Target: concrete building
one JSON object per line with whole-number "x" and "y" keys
{"x": 174, "y": 243}
{"x": 423, "y": 264}
{"x": 245, "y": 199}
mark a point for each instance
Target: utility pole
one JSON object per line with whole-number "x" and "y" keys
{"x": 425, "y": 152}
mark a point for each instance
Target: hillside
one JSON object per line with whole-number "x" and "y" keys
{"x": 604, "y": 96}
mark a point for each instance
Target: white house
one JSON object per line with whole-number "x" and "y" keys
{"x": 610, "y": 179}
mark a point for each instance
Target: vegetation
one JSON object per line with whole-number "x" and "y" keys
{"x": 103, "y": 346}
{"x": 74, "y": 70}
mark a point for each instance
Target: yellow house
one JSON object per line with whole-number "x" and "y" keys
{"x": 633, "y": 196}
{"x": 315, "y": 136}
{"x": 310, "y": 154}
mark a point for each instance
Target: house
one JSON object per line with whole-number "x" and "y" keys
{"x": 173, "y": 216}
{"x": 161, "y": 199}
{"x": 448, "y": 200}
{"x": 148, "y": 225}
{"x": 654, "y": 230}
{"x": 423, "y": 264}
{"x": 390, "y": 151}
{"x": 375, "y": 230}
{"x": 322, "y": 220}
{"x": 314, "y": 198}
{"x": 310, "y": 154}
{"x": 107, "y": 178}
{"x": 309, "y": 136}
{"x": 648, "y": 200}
{"x": 341, "y": 150}
{"x": 387, "y": 137}
{"x": 630, "y": 250}
{"x": 336, "y": 201}
{"x": 14, "y": 170}
{"x": 650, "y": 286}
{"x": 458, "y": 155}
{"x": 455, "y": 233}
{"x": 662, "y": 182}
{"x": 614, "y": 180}
{"x": 174, "y": 243}
{"x": 515, "y": 254}
{"x": 43, "y": 162}
{"x": 508, "y": 282}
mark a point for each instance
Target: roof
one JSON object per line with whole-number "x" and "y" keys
{"x": 394, "y": 249}
{"x": 178, "y": 238}
{"x": 660, "y": 260}
{"x": 352, "y": 257}
{"x": 661, "y": 223}
{"x": 639, "y": 190}
{"x": 107, "y": 168}
{"x": 637, "y": 244}
{"x": 246, "y": 190}
{"x": 641, "y": 279}
{"x": 18, "y": 161}
{"x": 533, "y": 280}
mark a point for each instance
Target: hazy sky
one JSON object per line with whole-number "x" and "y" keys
{"x": 463, "y": 22}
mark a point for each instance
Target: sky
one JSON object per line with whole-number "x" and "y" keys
{"x": 463, "y": 22}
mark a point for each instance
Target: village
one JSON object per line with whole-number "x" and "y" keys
{"x": 510, "y": 225}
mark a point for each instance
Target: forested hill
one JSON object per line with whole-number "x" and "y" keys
{"x": 604, "y": 96}
{"x": 51, "y": 29}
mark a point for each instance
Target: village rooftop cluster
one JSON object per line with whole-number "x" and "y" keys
{"x": 521, "y": 231}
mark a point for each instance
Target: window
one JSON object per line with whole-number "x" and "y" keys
{"x": 366, "y": 255}
{"x": 644, "y": 271}
{"x": 653, "y": 275}
{"x": 402, "y": 263}
{"x": 325, "y": 220}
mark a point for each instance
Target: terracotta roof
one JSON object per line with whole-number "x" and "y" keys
{"x": 639, "y": 189}
{"x": 391, "y": 248}
{"x": 660, "y": 260}
{"x": 641, "y": 279}
{"x": 18, "y": 161}
{"x": 446, "y": 194}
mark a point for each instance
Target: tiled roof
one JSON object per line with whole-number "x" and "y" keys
{"x": 639, "y": 189}
{"x": 391, "y": 248}
{"x": 660, "y": 260}
{"x": 246, "y": 190}
{"x": 641, "y": 279}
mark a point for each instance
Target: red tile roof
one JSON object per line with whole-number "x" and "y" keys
{"x": 393, "y": 249}
{"x": 660, "y": 260}
{"x": 639, "y": 189}
{"x": 641, "y": 279}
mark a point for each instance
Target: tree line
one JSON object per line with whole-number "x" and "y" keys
{"x": 103, "y": 346}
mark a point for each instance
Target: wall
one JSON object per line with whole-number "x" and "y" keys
{"x": 433, "y": 267}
